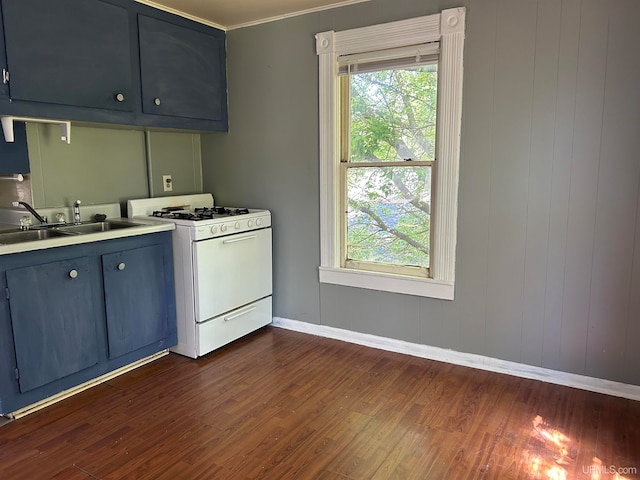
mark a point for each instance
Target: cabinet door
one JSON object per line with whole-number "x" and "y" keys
{"x": 14, "y": 156}
{"x": 183, "y": 70}
{"x": 136, "y": 293}
{"x": 69, "y": 52}
{"x": 4, "y": 90}
{"x": 53, "y": 320}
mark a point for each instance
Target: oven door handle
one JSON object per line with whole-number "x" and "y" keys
{"x": 236, "y": 240}
{"x": 239, "y": 314}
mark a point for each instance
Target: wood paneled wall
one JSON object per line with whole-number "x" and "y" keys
{"x": 548, "y": 257}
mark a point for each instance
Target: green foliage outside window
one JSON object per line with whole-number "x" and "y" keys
{"x": 392, "y": 119}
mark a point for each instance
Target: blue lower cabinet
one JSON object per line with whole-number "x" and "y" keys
{"x": 135, "y": 298}
{"x": 72, "y": 314}
{"x": 53, "y": 307}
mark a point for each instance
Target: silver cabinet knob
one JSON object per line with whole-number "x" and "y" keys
{"x": 73, "y": 273}
{"x": 121, "y": 266}
{"x": 156, "y": 101}
{"x": 120, "y": 97}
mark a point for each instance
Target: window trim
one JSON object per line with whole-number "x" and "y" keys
{"x": 447, "y": 27}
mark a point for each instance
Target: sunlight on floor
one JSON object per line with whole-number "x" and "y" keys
{"x": 558, "y": 451}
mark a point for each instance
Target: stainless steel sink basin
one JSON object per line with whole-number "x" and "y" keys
{"x": 29, "y": 235}
{"x": 95, "y": 227}
{"x": 20, "y": 236}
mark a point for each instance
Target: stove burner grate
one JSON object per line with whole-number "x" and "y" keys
{"x": 200, "y": 213}
{"x": 220, "y": 211}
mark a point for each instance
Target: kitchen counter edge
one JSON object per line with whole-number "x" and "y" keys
{"x": 142, "y": 227}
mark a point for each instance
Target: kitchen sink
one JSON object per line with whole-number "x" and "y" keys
{"x": 94, "y": 227}
{"x": 57, "y": 231}
{"x": 29, "y": 235}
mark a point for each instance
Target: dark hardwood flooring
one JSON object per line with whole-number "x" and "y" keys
{"x": 285, "y": 405}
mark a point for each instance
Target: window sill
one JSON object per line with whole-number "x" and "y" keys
{"x": 387, "y": 282}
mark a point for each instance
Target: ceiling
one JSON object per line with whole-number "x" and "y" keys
{"x": 229, "y": 14}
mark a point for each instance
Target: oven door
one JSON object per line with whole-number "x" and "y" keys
{"x": 231, "y": 271}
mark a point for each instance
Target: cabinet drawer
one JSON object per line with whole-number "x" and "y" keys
{"x": 228, "y": 327}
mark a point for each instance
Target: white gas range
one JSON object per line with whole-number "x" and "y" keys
{"x": 222, "y": 263}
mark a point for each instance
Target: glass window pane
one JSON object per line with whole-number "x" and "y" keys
{"x": 388, "y": 215}
{"x": 393, "y": 114}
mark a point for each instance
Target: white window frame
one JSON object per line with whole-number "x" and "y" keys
{"x": 446, "y": 27}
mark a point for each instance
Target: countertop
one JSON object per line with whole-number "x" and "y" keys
{"x": 143, "y": 226}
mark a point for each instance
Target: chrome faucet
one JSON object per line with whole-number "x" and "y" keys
{"x": 76, "y": 212}
{"x": 40, "y": 218}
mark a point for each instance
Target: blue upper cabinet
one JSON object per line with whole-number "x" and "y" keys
{"x": 14, "y": 156}
{"x": 69, "y": 52}
{"x": 182, "y": 70}
{"x": 4, "y": 85}
{"x": 111, "y": 61}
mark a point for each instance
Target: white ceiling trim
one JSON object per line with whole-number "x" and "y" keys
{"x": 343, "y": 3}
{"x": 298, "y": 13}
{"x": 181, "y": 14}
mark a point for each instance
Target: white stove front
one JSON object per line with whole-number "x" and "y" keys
{"x": 223, "y": 272}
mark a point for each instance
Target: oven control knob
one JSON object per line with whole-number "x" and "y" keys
{"x": 237, "y": 225}
{"x": 258, "y": 221}
{"x": 223, "y": 228}
{"x": 250, "y": 223}
{"x": 214, "y": 229}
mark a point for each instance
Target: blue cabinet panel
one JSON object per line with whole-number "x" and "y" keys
{"x": 52, "y": 315}
{"x": 4, "y": 87}
{"x": 14, "y": 156}
{"x": 58, "y": 332}
{"x": 183, "y": 70}
{"x": 135, "y": 294}
{"x": 69, "y": 52}
{"x": 111, "y": 61}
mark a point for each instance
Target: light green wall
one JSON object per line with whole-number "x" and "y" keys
{"x": 105, "y": 165}
{"x": 99, "y": 166}
{"x": 178, "y": 155}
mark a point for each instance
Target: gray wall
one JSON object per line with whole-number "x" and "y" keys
{"x": 107, "y": 164}
{"x": 548, "y": 256}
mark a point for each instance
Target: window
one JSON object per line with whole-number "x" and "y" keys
{"x": 390, "y": 106}
{"x": 387, "y": 153}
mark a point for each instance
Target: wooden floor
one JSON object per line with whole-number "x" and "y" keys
{"x": 285, "y": 405}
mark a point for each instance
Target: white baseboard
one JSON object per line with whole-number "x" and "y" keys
{"x": 472, "y": 360}
{"x": 34, "y": 407}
